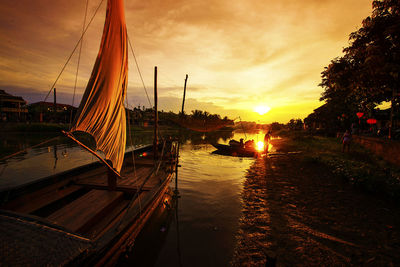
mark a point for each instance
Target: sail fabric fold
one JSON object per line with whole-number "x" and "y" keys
{"x": 101, "y": 112}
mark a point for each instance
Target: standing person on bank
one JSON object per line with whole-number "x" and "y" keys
{"x": 346, "y": 139}
{"x": 267, "y": 137}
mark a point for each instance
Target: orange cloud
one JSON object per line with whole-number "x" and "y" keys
{"x": 237, "y": 53}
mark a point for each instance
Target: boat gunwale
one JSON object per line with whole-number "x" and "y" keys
{"x": 129, "y": 230}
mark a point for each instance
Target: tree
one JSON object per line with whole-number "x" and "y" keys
{"x": 295, "y": 124}
{"x": 375, "y": 52}
{"x": 368, "y": 73}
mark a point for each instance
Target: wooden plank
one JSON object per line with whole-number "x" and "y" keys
{"x": 130, "y": 227}
{"x": 31, "y": 202}
{"x": 80, "y": 214}
{"x": 141, "y": 174}
{"x": 140, "y": 199}
{"x": 100, "y": 179}
{"x": 94, "y": 231}
{"x": 93, "y": 174}
{"x": 124, "y": 188}
{"x": 48, "y": 198}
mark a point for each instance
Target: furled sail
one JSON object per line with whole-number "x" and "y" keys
{"x": 101, "y": 112}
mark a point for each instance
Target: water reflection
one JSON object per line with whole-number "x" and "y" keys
{"x": 207, "y": 215}
{"x": 205, "y": 221}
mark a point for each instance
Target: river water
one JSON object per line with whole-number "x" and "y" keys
{"x": 200, "y": 230}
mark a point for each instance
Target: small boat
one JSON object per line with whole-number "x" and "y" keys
{"x": 90, "y": 214}
{"x": 235, "y": 150}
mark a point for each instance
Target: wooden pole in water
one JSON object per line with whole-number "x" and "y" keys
{"x": 184, "y": 95}
{"x": 55, "y": 105}
{"x": 177, "y": 153}
{"x": 155, "y": 143}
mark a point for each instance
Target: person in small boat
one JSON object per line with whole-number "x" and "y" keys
{"x": 233, "y": 142}
{"x": 250, "y": 144}
{"x": 241, "y": 143}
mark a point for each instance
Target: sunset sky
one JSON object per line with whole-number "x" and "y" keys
{"x": 238, "y": 54}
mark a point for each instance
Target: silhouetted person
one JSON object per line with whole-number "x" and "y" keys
{"x": 346, "y": 139}
{"x": 267, "y": 137}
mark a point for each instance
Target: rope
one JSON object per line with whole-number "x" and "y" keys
{"x": 162, "y": 154}
{"x": 73, "y": 51}
{"x": 137, "y": 193}
{"x": 141, "y": 78}
{"x": 140, "y": 73}
{"x": 79, "y": 60}
{"x": 133, "y": 154}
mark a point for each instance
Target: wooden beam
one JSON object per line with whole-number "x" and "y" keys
{"x": 69, "y": 135}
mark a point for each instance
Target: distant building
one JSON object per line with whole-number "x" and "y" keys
{"x": 12, "y": 108}
{"x": 44, "y": 112}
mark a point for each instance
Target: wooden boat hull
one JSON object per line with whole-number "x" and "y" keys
{"x": 79, "y": 204}
{"x": 234, "y": 151}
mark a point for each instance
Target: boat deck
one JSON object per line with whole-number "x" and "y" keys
{"x": 79, "y": 211}
{"x": 84, "y": 204}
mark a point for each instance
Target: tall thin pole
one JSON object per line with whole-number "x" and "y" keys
{"x": 177, "y": 155}
{"x": 184, "y": 94}
{"x": 55, "y": 105}
{"x": 155, "y": 143}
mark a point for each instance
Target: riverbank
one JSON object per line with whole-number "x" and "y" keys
{"x": 359, "y": 166}
{"x": 298, "y": 211}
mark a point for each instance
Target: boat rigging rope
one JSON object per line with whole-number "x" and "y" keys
{"x": 141, "y": 78}
{"x": 133, "y": 153}
{"x": 73, "y": 51}
{"x": 140, "y": 73}
{"x": 79, "y": 60}
{"x": 137, "y": 193}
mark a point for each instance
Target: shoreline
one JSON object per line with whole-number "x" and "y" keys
{"x": 298, "y": 212}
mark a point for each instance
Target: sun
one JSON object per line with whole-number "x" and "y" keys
{"x": 260, "y": 146}
{"x": 262, "y": 109}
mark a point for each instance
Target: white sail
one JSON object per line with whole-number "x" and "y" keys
{"x": 101, "y": 112}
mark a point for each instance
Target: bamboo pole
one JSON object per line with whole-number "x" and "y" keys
{"x": 177, "y": 152}
{"x": 55, "y": 105}
{"x": 155, "y": 143}
{"x": 184, "y": 95}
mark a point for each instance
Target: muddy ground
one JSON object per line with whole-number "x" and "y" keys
{"x": 297, "y": 213}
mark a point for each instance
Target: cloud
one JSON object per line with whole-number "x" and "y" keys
{"x": 237, "y": 53}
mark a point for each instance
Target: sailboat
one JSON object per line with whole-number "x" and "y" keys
{"x": 90, "y": 214}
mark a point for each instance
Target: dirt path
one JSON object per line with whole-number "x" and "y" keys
{"x": 300, "y": 214}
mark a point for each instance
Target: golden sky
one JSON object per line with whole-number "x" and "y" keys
{"x": 238, "y": 53}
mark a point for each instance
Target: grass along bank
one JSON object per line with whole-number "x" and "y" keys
{"x": 359, "y": 167}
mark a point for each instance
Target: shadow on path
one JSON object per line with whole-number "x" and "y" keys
{"x": 297, "y": 213}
